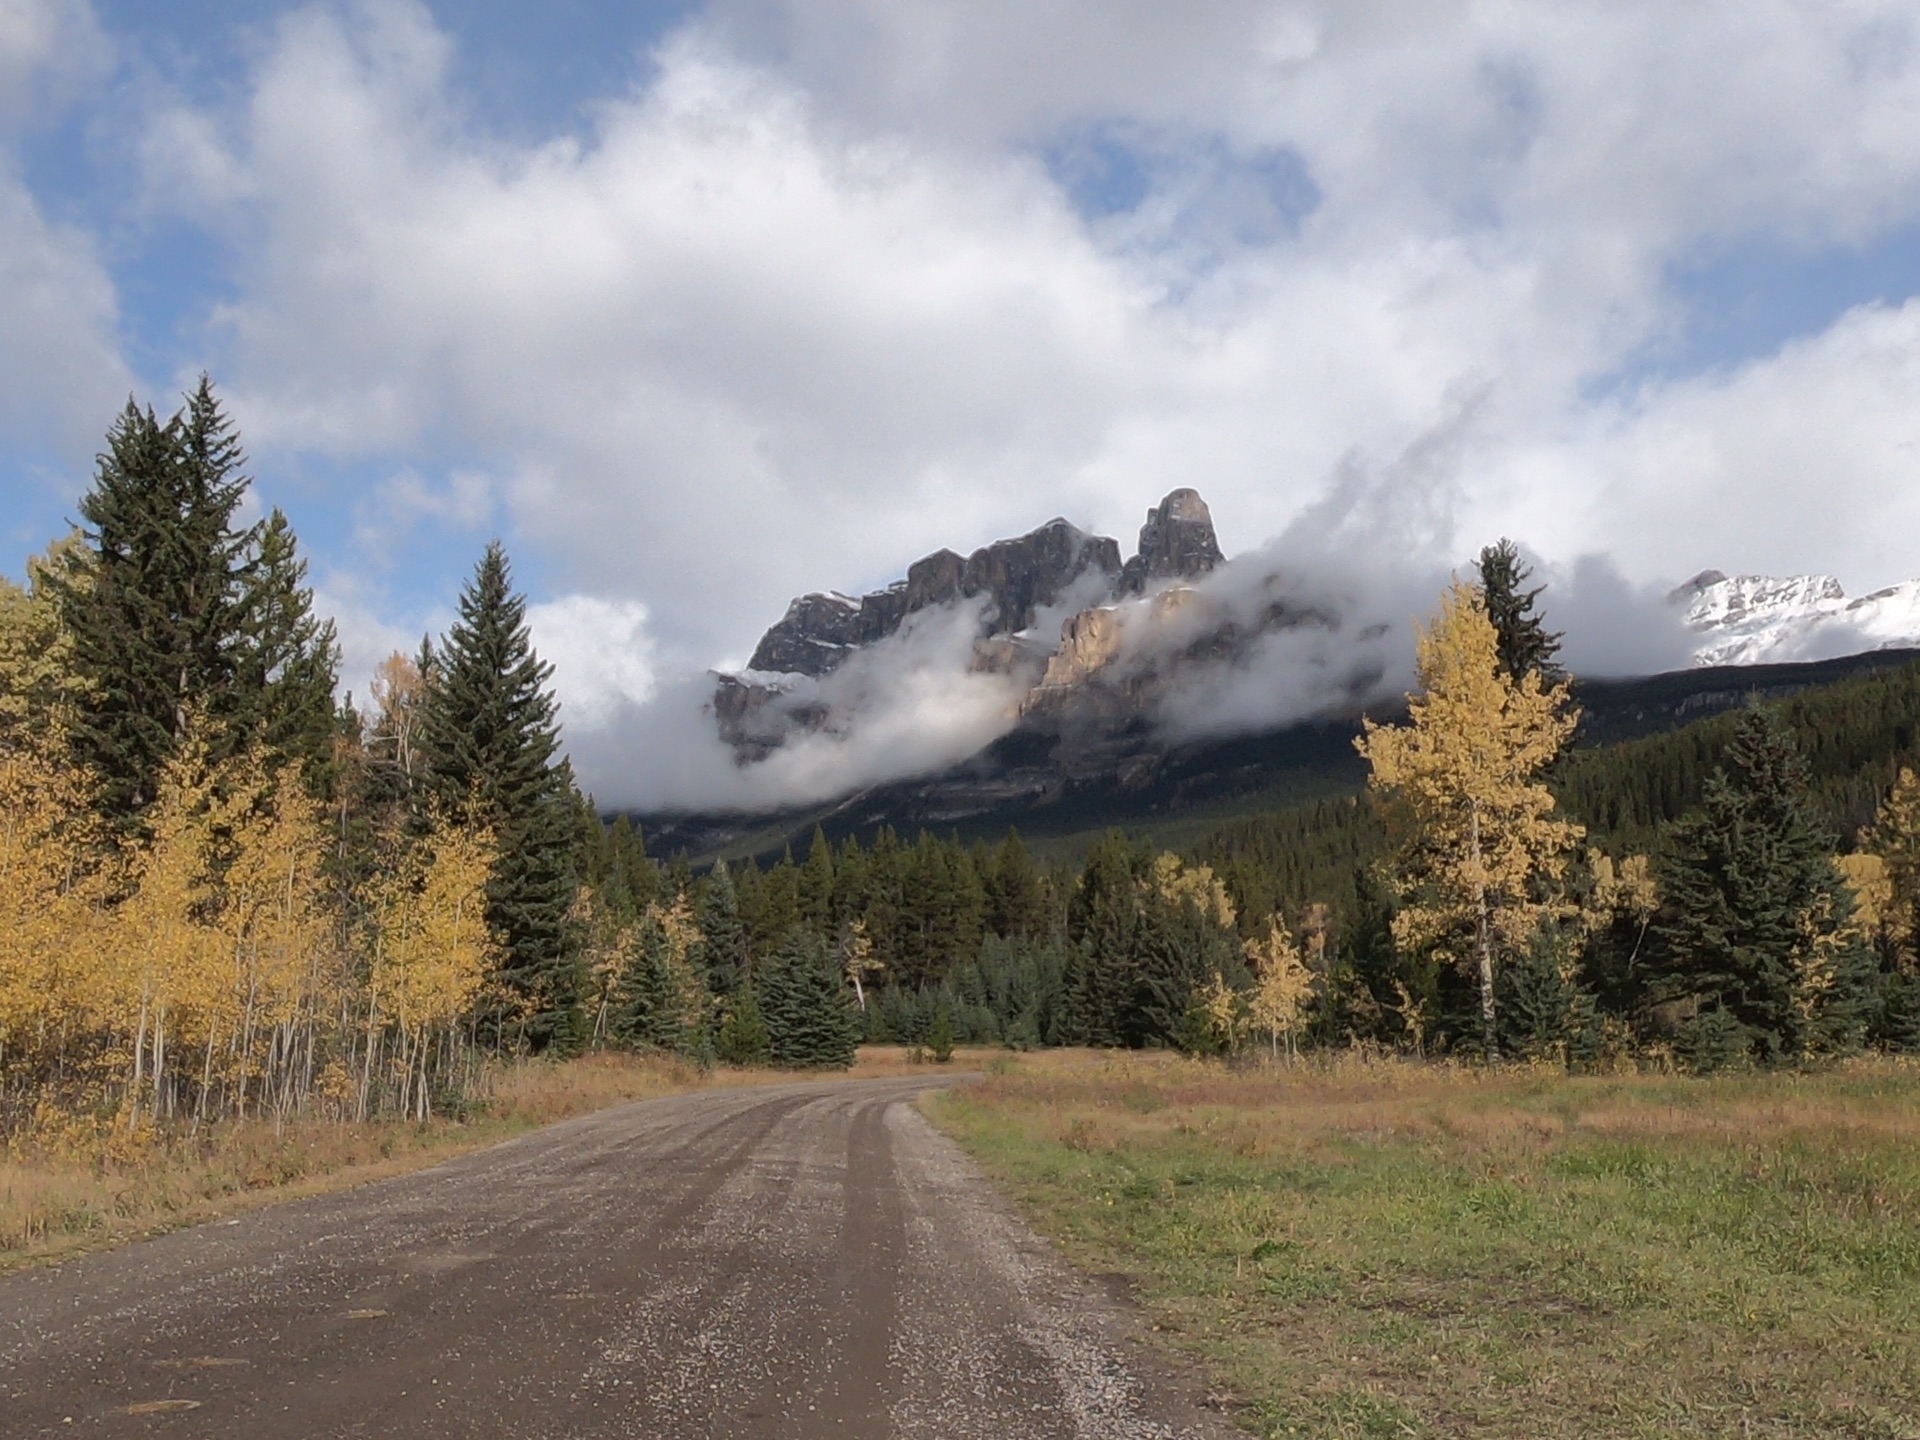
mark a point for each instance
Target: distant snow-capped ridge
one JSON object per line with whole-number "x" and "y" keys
{"x": 1771, "y": 619}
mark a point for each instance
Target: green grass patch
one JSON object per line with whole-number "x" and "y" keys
{"x": 1387, "y": 1249}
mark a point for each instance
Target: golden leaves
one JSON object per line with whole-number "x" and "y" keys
{"x": 1479, "y": 850}
{"x": 1283, "y": 984}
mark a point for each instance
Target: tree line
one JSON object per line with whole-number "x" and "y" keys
{"x": 225, "y": 893}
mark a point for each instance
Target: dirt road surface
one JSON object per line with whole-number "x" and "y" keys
{"x": 796, "y": 1261}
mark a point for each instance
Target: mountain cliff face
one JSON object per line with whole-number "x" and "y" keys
{"x": 1767, "y": 619}
{"x": 1019, "y": 577}
{"x": 1055, "y": 607}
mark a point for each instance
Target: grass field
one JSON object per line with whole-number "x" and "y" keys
{"x": 1385, "y": 1249}
{"x": 80, "y": 1189}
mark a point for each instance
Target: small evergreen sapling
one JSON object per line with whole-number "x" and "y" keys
{"x": 940, "y": 1036}
{"x": 743, "y": 1038}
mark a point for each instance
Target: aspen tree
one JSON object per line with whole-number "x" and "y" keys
{"x": 174, "y": 972}
{"x": 1282, "y": 986}
{"x": 434, "y": 948}
{"x": 50, "y": 960}
{"x": 856, "y": 957}
{"x": 1895, "y": 839}
{"x": 1478, "y": 848}
{"x": 276, "y": 923}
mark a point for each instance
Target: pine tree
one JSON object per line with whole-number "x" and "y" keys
{"x": 1016, "y": 895}
{"x": 289, "y": 659}
{"x": 155, "y": 598}
{"x": 1755, "y": 920}
{"x": 810, "y": 1016}
{"x": 940, "y": 1036}
{"x": 647, "y": 1012}
{"x": 1101, "y": 986}
{"x": 726, "y": 938}
{"x": 489, "y": 732}
{"x": 1527, "y": 647}
{"x": 1545, "y": 1012}
{"x": 1477, "y": 842}
{"x": 814, "y": 886}
{"x": 743, "y": 1038}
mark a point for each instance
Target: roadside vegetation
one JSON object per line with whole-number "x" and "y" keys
{"x": 1378, "y": 1247}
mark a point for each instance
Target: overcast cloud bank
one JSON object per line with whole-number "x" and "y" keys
{"x": 833, "y": 284}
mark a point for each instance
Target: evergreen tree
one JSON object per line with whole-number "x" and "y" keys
{"x": 1103, "y": 919}
{"x": 490, "y": 734}
{"x": 1755, "y": 921}
{"x": 810, "y": 1015}
{"x": 155, "y": 597}
{"x": 1526, "y": 647}
{"x": 1016, "y": 895}
{"x": 725, "y": 939}
{"x": 289, "y": 662}
{"x": 743, "y": 1038}
{"x": 814, "y": 886}
{"x": 647, "y": 1003}
{"x": 940, "y": 1036}
{"x": 1545, "y": 1013}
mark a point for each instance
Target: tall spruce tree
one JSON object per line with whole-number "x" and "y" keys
{"x": 156, "y": 597}
{"x": 490, "y": 735}
{"x": 1755, "y": 928}
{"x": 288, "y": 663}
{"x": 1526, "y": 645}
{"x": 810, "y": 1016}
{"x": 723, "y": 938}
{"x": 1101, "y": 1000}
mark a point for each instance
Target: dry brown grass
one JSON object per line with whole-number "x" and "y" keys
{"x": 76, "y": 1188}
{"x": 1380, "y": 1248}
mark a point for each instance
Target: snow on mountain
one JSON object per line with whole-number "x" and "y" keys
{"x": 1768, "y": 619}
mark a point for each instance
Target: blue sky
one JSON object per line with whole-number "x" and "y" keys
{"x": 699, "y": 305}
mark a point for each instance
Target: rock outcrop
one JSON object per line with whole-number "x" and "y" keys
{"x": 1073, "y": 681}
{"x": 1019, "y": 576}
{"x": 1176, "y": 543}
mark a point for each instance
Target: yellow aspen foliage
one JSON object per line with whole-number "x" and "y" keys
{"x": 279, "y": 939}
{"x": 432, "y": 949}
{"x": 51, "y": 956}
{"x": 1866, "y": 875}
{"x": 172, "y": 971}
{"x": 1894, "y": 838}
{"x": 1177, "y": 881}
{"x": 37, "y": 679}
{"x": 1282, "y": 986}
{"x": 398, "y": 691}
{"x": 856, "y": 957}
{"x": 1225, "y": 1011}
{"x": 607, "y": 953}
{"x": 1479, "y": 851}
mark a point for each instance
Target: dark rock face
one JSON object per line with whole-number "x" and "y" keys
{"x": 1095, "y": 708}
{"x": 1680, "y": 594}
{"x": 1176, "y": 543}
{"x": 756, "y": 720}
{"x": 1021, "y": 576}
{"x": 812, "y": 637}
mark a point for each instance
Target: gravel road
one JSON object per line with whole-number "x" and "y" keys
{"x": 793, "y": 1261}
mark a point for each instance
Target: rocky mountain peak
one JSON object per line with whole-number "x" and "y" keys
{"x": 1051, "y": 568}
{"x": 1176, "y": 543}
{"x": 1020, "y": 577}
